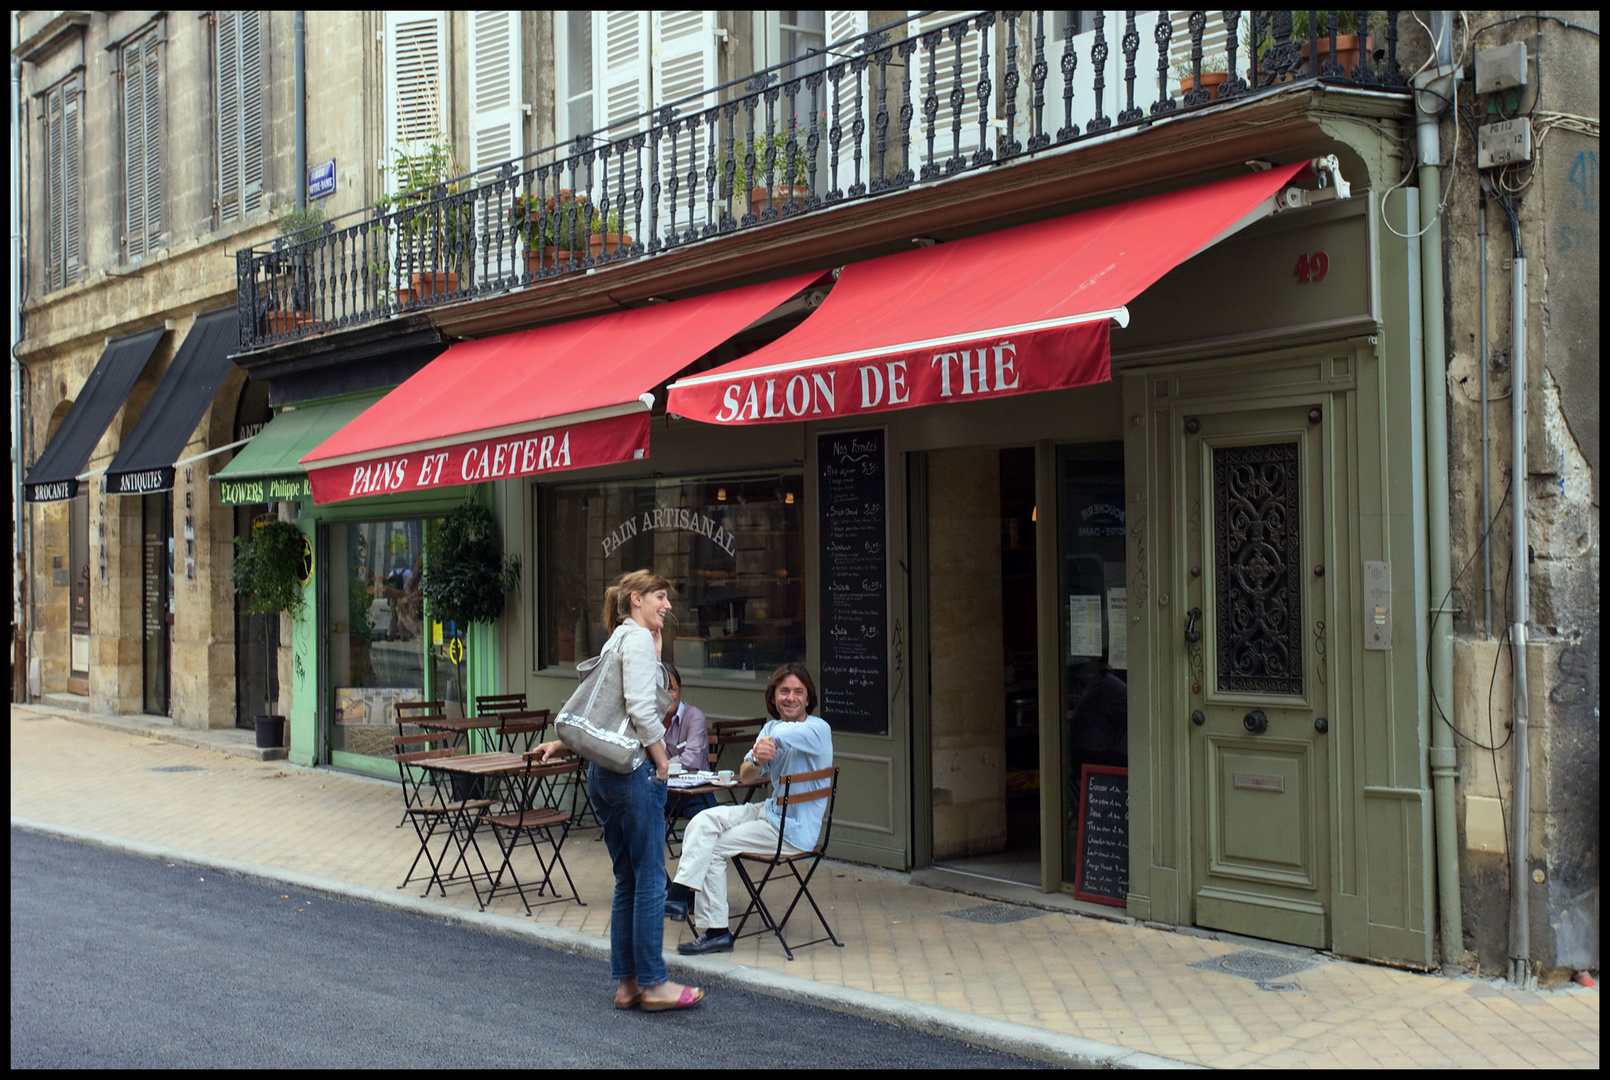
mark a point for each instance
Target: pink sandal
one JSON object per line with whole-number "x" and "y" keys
{"x": 690, "y": 996}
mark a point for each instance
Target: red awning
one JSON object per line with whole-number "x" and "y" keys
{"x": 559, "y": 397}
{"x": 1009, "y": 312}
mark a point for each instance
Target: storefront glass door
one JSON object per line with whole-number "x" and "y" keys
{"x": 1094, "y": 672}
{"x": 377, "y": 636}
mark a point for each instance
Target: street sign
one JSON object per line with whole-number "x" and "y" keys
{"x": 321, "y": 180}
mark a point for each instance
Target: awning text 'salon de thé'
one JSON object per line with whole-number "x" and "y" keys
{"x": 1018, "y": 311}
{"x": 557, "y": 397}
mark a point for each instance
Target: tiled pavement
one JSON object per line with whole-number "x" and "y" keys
{"x": 1130, "y": 987}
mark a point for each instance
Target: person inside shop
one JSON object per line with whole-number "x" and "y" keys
{"x": 1100, "y": 718}
{"x": 687, "y": 743}
{"x": 794, "y": 740}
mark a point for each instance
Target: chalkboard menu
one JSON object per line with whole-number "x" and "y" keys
{"x": 854, "y": 680}
{"x": 1103, "y": 871}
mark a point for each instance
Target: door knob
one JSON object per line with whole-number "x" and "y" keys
{"x": 1256, "y": 722}
{"x": 1192, "y": 634}
{"x": 1198, "y": 717}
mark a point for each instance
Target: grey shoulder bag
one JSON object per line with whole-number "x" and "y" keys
{"x": 588, "y": 723}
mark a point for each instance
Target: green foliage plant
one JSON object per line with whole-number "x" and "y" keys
{"x": 781, "y": 173}
{"x": 299, "y": 224}
{"x": 563, "y": 222}
{"x": 467, "y": 577}
{"x": 426, "y": 173}
{"x": 268, "y": 568}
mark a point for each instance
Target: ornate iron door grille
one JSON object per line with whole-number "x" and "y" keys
{"x": 1257, "y": 550}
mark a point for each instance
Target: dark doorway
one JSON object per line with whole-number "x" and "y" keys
{"x": 156, "y": 564}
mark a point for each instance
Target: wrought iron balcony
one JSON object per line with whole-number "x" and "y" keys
{"x": 912, "y": 103}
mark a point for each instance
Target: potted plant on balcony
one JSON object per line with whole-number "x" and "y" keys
{"x": 564, "y": 225}
{"x": 270, "y": 567}
{"x": 1350, "y": 43}
{"x": 790, "y": 180}
{"x": 434, "y": 232}
{"x": 1215, "y": 72}
{"x": 290, "y": 276}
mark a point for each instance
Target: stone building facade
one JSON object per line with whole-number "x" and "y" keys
{"x": 1554, "y": 201}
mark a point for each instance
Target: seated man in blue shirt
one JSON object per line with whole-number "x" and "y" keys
{"x": 793, "y": 741}
{"x": 687, "y": 743}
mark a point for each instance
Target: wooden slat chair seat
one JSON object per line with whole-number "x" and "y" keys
{"x": 773, "y": 859}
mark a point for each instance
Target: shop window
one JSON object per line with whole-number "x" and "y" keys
{"x": 731, "y": 547}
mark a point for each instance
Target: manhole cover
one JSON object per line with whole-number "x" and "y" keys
{"x": 996, "y": 913}
{"x": 177, "y": 768}
{"x": 1261, "y": 967}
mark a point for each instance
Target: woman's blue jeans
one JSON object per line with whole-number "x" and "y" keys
{"x": 632, "y": 810}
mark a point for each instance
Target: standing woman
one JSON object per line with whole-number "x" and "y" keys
{"x": 631, "y": 807}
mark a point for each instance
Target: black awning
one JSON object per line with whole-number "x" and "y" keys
{"x": 145, "y": 462}
{"x": 54, "y": 476}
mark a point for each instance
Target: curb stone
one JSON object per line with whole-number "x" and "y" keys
{"x": 1050, "y": 1047}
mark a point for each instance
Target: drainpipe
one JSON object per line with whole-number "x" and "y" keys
{"x": 19, "y": 514}
{"x": 1520, "y": 948}
{"x": 299, "y": 47}
{"x": 1443, "y": 758}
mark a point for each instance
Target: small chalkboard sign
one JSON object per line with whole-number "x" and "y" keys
{"x": 1103, "y": 871}
{"x": 854, "y": 681}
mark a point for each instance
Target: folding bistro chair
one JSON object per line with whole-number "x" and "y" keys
{"x": 515, "y": 725}
{"x": 456, "y": 819}
{"x": 499, "y": 703}
{"x": 529, "y": 819}
{"x": 411, "y": 712}
{"x": 777, "y": 858}
{"x": 418, "y": 747}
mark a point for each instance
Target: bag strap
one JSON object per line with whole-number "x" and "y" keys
{"x": 598, "y": 683}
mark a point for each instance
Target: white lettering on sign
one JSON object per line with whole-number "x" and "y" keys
{"x": 62, "y": 489}
{"x": 672, "y": 517}
{"x": 135, "y": 483}
{"x": 801, "y": 396}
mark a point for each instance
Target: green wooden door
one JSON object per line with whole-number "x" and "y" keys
{"x": 1250, "y": 646}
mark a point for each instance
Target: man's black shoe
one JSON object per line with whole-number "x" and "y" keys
{"x": 676, "y": 909}
{"x": 711, "y": 941}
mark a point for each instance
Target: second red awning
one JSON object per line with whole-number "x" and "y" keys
{"x": 558, "y": 397}
{"x": 1021, "y": 310}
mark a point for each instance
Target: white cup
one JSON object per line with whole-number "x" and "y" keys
{"x": 726, "y": 776}
{"x": 675, "y": 769}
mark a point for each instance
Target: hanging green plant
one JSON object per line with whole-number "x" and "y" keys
{"x": 467, "y": 577}
{"x": 268, "y": 568}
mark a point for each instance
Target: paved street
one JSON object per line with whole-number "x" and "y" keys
{"x": 1052, "y": 985}
{"x": 118, "y": 961}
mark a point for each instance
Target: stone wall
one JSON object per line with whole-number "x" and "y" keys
{"x": 1557, "y": 206}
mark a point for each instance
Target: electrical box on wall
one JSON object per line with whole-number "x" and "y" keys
{"x": 1504, "y": 143}
{"x": 1500, "y": 68}
{"x": 1377, "y": 605}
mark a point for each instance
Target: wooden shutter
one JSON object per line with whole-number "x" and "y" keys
{"x": 240, "y": 114}
{"x": 683, "y": 63}
{"x": 497, "y": 127}
{"x": 415, "y": 83}
{"x": 945, "y": 143}
{"x": 142, "y": 147}
{"x": 621, "y": 55}
{"x": 55, "y": 204}
{"x": 72, "y": 201}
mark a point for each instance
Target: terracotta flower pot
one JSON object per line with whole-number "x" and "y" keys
{"x": 1212, "y": 80}
{"x": 598, "y": 244}
{"x": 279, "y": 323}
{"x": 777, "y": 195}
{"x": 1348, "y": 52}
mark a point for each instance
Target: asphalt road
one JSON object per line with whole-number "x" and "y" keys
{"x": 119, "y": 961}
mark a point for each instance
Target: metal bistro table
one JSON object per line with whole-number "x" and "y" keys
{"x": 523, "y": 780}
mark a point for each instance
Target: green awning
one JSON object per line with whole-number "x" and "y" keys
{"x": 268, "y": 469}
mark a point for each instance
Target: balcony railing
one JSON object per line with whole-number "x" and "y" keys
{"x": 914, "y": 102}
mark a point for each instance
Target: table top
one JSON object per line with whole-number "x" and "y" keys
{"x": 496, "y": 764}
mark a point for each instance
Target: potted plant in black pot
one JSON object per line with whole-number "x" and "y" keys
{"x": 467, "y": 579}
{"x": 269, "y": 570}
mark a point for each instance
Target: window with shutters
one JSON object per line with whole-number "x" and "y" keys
{"x": 238, "y": 62}
{"x": 416, "y": 112}
{"x": 142, "y": 145}
{"x": 63, "y": 141}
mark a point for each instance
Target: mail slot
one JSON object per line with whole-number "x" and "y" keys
{"x": 1257, "y": 781}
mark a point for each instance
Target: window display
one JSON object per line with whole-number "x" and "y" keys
{"x": 731, "y": 546}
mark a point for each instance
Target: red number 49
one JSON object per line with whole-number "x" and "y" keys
{"x": 1311, "y": 267}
